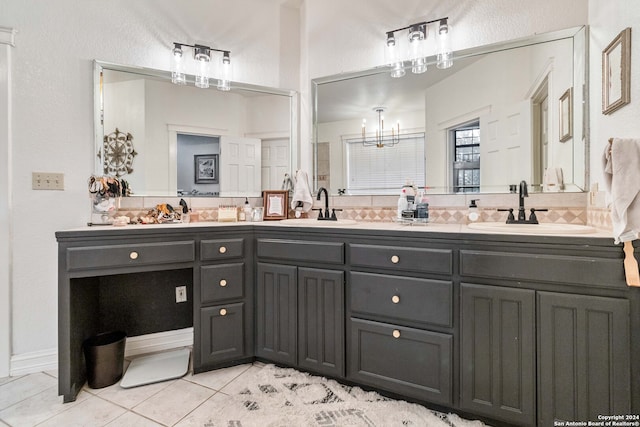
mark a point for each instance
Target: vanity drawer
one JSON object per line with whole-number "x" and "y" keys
{"x": 597, "y": 272}
{"x": 113, "y": 256}
{"x": 402, "y": 298}
{"x": 402, "y": 258}
{"x": 408, "y": 361}
{"x": 298, "y": 250}
{"x": 211, "y": 250}
{"x": 221, "y": 282}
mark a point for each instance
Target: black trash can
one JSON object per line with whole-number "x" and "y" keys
{"x": 104, "y": 355}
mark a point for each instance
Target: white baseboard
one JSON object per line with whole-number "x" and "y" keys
{"x": 160, "y": 341}
{"x": 37, "y": 361}
{"x": 47, "y": 360}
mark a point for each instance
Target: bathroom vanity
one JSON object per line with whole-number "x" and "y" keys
{"x": 515, "y": 329}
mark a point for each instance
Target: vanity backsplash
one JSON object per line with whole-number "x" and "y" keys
{"x": 569, "y": 208}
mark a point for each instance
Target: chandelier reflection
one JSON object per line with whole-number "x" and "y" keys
{"x": 380, "y": 140}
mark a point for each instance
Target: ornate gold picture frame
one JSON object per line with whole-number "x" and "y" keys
{"x": 616, "y": 73}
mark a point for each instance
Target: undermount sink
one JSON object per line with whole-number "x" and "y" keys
{"x": 312, "y": 222}
{"x": 551, "y": 228}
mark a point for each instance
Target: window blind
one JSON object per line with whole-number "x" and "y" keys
{"x": 388, "y": 168}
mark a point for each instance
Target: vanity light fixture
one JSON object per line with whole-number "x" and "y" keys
{"x": 380, "y": 140}
{"x": 202, "y": 57}
{"x": 416, "y": 54}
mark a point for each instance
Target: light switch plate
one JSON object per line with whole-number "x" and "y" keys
{"x": 181, "y": 293}
{"x": 47, "y": 181}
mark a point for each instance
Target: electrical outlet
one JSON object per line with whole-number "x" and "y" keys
{"x": 181, "y": 293}
{"x": 47, "y": 181}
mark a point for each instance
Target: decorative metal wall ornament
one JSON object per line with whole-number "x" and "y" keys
{"x": 118, "y": 153}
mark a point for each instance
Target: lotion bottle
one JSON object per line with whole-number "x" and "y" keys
{"x": 472, "y": 214}
{"x": 247, "y": 210}
{"x": 402, "y": 203}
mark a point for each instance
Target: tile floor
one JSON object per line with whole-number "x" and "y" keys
{"x": 193, "y": 400}
{"x": 32, "y": 400}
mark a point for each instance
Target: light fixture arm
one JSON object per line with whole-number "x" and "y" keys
{"x": 419, "y": 24}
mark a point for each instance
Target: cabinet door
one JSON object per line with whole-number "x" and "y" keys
{"x": 498, "y": 353}
{"x": 321, "y": 321}
{"x": 584, "y": 351}
{"x": 411, "y": 362}
{"x": 222, "y": 333}
{"x": 276, "y": 313}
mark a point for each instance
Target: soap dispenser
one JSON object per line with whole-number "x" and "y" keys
{"x": 247, "y": 210}
{"x": 472, "y": 214}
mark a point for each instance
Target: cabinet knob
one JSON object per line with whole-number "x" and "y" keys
{"x": 396, "y": 333}
{"x": 223, "y": 283}
{"x": 133, "y": 255}
{"x": 395, "y": 299}
{"x": 223, "y": 312}
{"x": 395, "y": 259}
{"x": 222, "y": 249}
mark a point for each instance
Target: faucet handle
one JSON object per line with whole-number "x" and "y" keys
{"x": 333, "y": 214}
{"x": 319, "y": 213}
{"x": 533, "y": 219}
{"x": 510, "y": 218}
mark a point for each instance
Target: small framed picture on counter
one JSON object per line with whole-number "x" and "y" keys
{"x": 276, "y": 204}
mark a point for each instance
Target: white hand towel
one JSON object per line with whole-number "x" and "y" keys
{"x": 622, "y": 181}
{"x": 553, "y": 180}
{"x": 302, "y": 192}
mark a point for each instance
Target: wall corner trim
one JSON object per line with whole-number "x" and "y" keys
{"x": 8, "y": 36}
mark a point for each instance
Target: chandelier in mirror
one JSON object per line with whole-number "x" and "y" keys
{"x": 401, "y": 51}
{"x": 202, "y": 57}
{"x": 380, "y": 140}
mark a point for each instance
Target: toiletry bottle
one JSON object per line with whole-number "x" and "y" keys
{"x": 402, "y": 202}
{"x": 472, "y": 214}
{"x": 247, "y": 210}
{"x": 241, "y": 215}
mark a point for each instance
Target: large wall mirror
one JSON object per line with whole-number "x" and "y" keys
{"x": 501, "y": 114}
{"x": 171, "y": 140}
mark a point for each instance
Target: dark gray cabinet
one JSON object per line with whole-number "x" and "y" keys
{"x": 408, "y": 361}
{"x": 321, "y": 321}
{"x": 276, "y": 313}
{"x": 222, "y": 336}
{"x": 300, "y": 317}
{"x": 223, "y": 324}
{"x": 497, "y": 362}
{"x": 584, "y": 357}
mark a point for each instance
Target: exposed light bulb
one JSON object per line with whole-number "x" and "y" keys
{"x": 177, "y": 66}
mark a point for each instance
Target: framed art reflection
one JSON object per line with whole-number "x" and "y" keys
{"x": 206, "y": 168}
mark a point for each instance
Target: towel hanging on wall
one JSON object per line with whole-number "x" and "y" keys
{"x": 622, "y": 182}
{"x": 302, "y": 201}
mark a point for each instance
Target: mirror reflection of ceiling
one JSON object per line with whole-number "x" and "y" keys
{"x": 490, "y": 84}
{"x": 143, "y": 102}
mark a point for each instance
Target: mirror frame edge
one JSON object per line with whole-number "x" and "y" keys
{"x": 99, "y": 66}
{"x": 465, "y": 53}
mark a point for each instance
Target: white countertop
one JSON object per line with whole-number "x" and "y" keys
{"x": 360, "y": 225}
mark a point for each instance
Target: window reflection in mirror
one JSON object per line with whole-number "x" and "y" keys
{"x": 249, "y": 129}
{"x": 509, "y": 92}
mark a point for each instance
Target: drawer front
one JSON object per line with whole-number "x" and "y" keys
{"x": 110, "y": 256}
{"x": 402, "y": 298}
{"x": 411, "y": 362}
{"x": 543, "y": 268}
{"x": 211, "y": 250}
{"x": 298, "y": 250}
{"x": 221, "y": 282}
{"x": 222, "y": 333}
{"x": 402, "y": 258}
